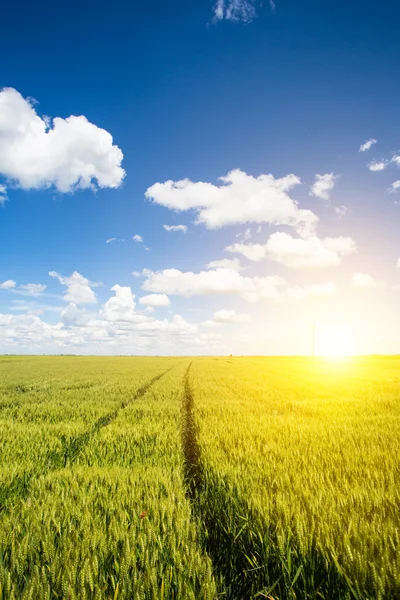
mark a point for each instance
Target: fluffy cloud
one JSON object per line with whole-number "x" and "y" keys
{"x": 363, "y": 280}
{"x": 72, "y": 315}
{"x": 69, "y": 154}
{"x": 78, "y": 332}
{"x": 239, "y": 199}
{"x": 394, "y": 187}
{"x": 115, "y": 328}
{"x": 396, "y": 160}
{"x": 254, "y": 252}
{"x": 78, "y": 288}
{"x": 235, "y": 10}
{"x": 8, "y": 285}
{"x": 367, "y": 145}
{"x": 298, "y": 253}
{"x": 28, "y": 331}
{"x": 120, "y": 307}
{"x": 155, "y": 300}
{"x": 230, "y": 316}
{"x": 182, "y": 228}
{"x": 323, "y": 186}
{"x": 379, "y": 165}
{"x": 225, "y": 263}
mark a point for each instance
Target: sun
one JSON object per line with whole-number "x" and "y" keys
{"x": 335, "y": 341}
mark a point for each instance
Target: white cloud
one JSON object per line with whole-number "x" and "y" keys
{"x": 72, "y": 315}
{"x": 323, "y": 186}
{"x": 394, "y": 187}
{"x": 182, "y": 228}
{"x": 28, "y": 289}
{"x": 219, "y": 10}
{"x": 212, "y": 282}
{"x": 298, "y": 253}
{"x": 139, "y": 240}
{"x": 229, "y": 282}
{"x": 33, "y": 289}
{"x": 367, "y": 145}
{"x": 155, "y": 300}
{"x": 96, "y": 284}
{"x": 239, "y": 199}
{"x": 377, "y": 165}
{"x": 341, "y": 211}
{"x": 78, "y": 288}
{"x": 254, "y": 252}
{"x": 8, "y": 285}
{"x": 234, "y": 10}
{"x": 28, "y": 330}
{"x": 3, "y": 194}
{"x": 120, "y": 307}
{"x": 80, "y": 332}
{"x": 116, "y": 328}
{"x": 363, "y": 280}
{"x": 396, "y": 160}
{"x": 230, "y": 316}
{"x": 225, "y": 263}
{"x": 69, "y": 154}
{"x": 111, "y": 240}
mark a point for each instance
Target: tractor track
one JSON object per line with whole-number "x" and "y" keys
{"x": 20, "y": 485}
{"x": 243, "y": 549}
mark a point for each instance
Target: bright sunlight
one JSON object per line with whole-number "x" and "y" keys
{"x": 335, "y": 341}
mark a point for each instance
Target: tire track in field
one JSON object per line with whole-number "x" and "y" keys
{"x": 19, "y": 487}
{"x": 211, "y": 506}
{"x": 244, "y": 550}
{"x": 191, "y": 450}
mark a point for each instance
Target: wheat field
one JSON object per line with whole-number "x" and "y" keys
{"x": 199, "y": 478}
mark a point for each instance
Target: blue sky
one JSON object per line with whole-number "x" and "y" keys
{"x": 189, "y": 92}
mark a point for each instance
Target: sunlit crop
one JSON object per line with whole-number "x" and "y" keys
{"x": 199, "y": 478}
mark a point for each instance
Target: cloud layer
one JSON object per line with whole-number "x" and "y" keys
{"x": 227, "y": 281}
{"x": 298, "y": 253}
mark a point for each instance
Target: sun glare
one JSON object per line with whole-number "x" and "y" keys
{"x": 335, "y": 342}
